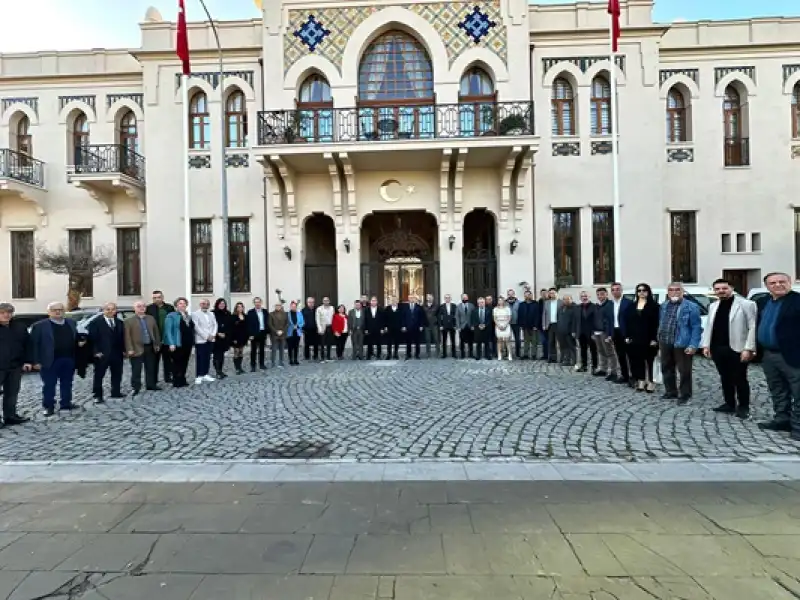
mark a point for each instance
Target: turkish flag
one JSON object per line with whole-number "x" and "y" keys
{"x": 182, "y": 39}
{"x": 614, "y": 11}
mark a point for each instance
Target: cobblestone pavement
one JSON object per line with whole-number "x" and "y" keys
{"x": 386, "y": 410}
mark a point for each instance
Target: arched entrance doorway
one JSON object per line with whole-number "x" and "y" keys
{"x": 398, "y": 256}
{"x": 320, "y": 257}
{"x": 480, "y": 254}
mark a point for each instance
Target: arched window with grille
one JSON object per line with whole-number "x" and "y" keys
{"x": 477, "y": 103}
{"x": 737, "y": 152}
{"x": 601, "y": 106}
{"x": 315, "y": 109}
{"x": 129, "y": 132}
{"x": 395, "y": 89}
{"x": 199, "y": 122}
{"x": 235, "y": 120}
{"x": 24, "y": 142}
{"x": 676, "y": 116}
{"x": 80, "y": 139}
{"x": 563, "y": 107}
{"x": 796, "y": 111}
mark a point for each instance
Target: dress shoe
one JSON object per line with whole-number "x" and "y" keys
{"x": 611, "y": 377}
{"x": 99, "y": 400}
{"x": 775, "y": 425}
{"x": 668, "y": 396}
{"x": 743, "y": 413}
{"x": 70, "y": 406}
{"x": 650, "y": 388}
{"x": 725, "y": 408}
{"x": 48, "y": 412}
{"x": 137, "y": 392}
{"x": 684, "y": 400}
{"x": 795, "y": 435}
{"x": 599, "y": 373}
{"x": 154, "y": 389}
{"x": 624, "y": 381}
{"x": 16, "y": 420}
{"x": 117, "y": 396}
{"x": 582, "y": 369}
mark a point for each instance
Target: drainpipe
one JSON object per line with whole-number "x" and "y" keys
{"x": 263, "y": 179}
{"x": 534, "y": 284}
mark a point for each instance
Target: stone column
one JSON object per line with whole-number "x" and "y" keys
{"x": 348, "y": 268}
{"x": 451, "y": 267}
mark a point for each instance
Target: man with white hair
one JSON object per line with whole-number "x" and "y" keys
{"x": 142, "y": 345}
{"x": 108, "y": 348}
{"x": 54, "y": 342}
{"x": 14, "y": 359}
{"x": 678, "y": 339}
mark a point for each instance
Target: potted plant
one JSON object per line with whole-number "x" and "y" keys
{"x": 513, "y": 125}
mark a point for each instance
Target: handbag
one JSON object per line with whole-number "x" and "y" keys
{"x": 658, "y": 377}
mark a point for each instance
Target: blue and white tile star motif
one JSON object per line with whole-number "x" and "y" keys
{"x": 477, "y": 24}
{"x": 311, "y": 33}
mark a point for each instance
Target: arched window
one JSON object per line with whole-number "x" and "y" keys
{"x": 676, "y": 116}
{"x": 236, "y": 120}
{"x": 315, "y": 107}
{"x": 199, "y": 122}
{"x": 128, "y": 132}
{"x": 796, "y": 111}
{"x": 563, "y": 107}
{"x": 477, "y": 103}
{"x": 80, "y": 139}
{"x": 24, "y": 143}
{"x": 736, "y": 145}
{"x": 395, "y": 89}
{"x": 601, "y": 106}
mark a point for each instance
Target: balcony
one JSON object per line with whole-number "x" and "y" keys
{"x": 737, "y": 152}
{"x": 390, "y": 123}
{"x": 106, "y": 169}
{"x": 22, "y": 177}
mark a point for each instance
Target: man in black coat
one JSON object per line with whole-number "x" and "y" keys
{"x": 447, "y": 325}
{"x": 414, "y": 320}
{"x": 482, "y": 327}
{"x": 392, "y": 328}
{"x": 590, "y": 321}
{"x": 529, "y": 319}
{"x": 107, "y": 334}
{"x": 310, "y": 333}
{"x": 257, "y": 329}
{"x": 159, "y": 311}
{"x": 373, "y": 327}
{"x": 14, "y": 359}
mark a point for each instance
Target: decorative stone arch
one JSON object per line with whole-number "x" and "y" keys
{"x": 17, "y": 108}
{"x": 568, "y": 71}
{"x": 234, "y": 82}
{"x": 739, "y": 80}
{"x": 684, "y": 84}
{"x": 74, "y": 106}
{"x": 404, "y": 20}
{"x": 604, "y": 65}
{"x": 120, "y": 107}
{"x": 195, "y": 84}
{"x": 482, "y": 58}
{"x": 308, "y": 65}
{"x": 788, "y": 87}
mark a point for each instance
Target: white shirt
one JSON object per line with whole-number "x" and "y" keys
{"x": 357, "y": 313}
{"x": 346, "y": 326}
{"x": 260, "y": 314}
{"x": 324, "y": 316}
{"x": 554, "y": 311}
{"x": 448, "y": 309}
{"x": 205, "y": 326}
{"x": 617, "y": 304}
{"x": 110, "y": 322}
{"x": 374, "y": 310}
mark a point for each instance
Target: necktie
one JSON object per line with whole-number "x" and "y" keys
{"x": 110, "y": 323}
{"x": 481, "y": 315}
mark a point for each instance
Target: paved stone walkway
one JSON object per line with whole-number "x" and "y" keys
{"x": 390, "y": 410}
{"x": 408, "y": 541}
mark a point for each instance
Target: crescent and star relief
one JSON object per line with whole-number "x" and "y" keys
{"x": 390, "y": 190}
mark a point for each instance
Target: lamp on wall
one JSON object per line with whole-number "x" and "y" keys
{"x": 452, "y": 241}
{"x": 347, "y": 245}
{"x": 513, "y": 246}
{"x": 287, "y": 252}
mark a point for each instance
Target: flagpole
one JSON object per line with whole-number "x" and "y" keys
{"x": 187, "y": 223}
{"x": 615, "y": 156}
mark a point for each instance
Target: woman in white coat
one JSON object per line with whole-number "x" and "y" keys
{"x": 502, "y": 328}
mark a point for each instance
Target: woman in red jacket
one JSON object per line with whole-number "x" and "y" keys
{"x": 340, "y": 330}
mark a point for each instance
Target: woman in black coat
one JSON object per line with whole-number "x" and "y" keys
{"x": 239, "y": 335}
{"x": 641, "y": 324}
{"x": 222, "y": 341}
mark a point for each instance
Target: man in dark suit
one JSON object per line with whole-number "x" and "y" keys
{"x": 373, "y": 328}
{"x": 355, "y": 324}
{"x": 257, "y": 329}
{"x": 529, "y": 319}
{"x": 544, "y": 296}
{"x": 159, "y": 311}
{"x": 392, "y": 328}
{"x": 778, "y": 336}
{"x": 413, "y": 324}
{"x": 107, "y": 335}
{"x": 615, "y": 310}
{"x": 310, "y": 333}
{"x": 15, "y": 359}
{"x": 482, "y": 328}
{"x": 447, "y": 325}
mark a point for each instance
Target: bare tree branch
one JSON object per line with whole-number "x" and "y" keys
{"x": 79, "y": 267}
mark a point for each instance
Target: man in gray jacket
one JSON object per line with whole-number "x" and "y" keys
{"x": 551, "y": 311}
{"x": 464, "y": 324}
{"x": 567, "y": 327}
{"x": 513, "y": 304}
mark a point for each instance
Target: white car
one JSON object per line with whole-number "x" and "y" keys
{"x": 660, "y": 295}
{"x": 756, "y": 294}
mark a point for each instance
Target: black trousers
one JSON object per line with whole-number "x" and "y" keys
{"x": 340, "y": 342}
{"x": 218, "y": 355}
{"x": 732, "y": 375}
{"x": 674, "y": 363}
{"x": 373, "y": 341}
{"x": 293, "y": 344}
{"x": 392, "y": 340}
{"x": 587, "y": 349}
{"x": 101, "y": 367}
{"x": 180, "y": 362}
{"x": 449, "y": 333}
{"x": 641, "y": 358}
{"x": 622, "y": 354}
{"x": 149, "y": 361}
{"x": 328, "y": 341}
{"x": 257, "y": 346}
{"x": 466, "y": 337}
{"x": 165, "y": 355}
{"x": 412, "y": 339}
{"x": 310, "y": 340}
{"x": 10, "y": 382}
{"x": 515, "y": 331}
{"x": 483, "y": 347}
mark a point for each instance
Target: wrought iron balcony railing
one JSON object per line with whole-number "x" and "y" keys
{"x": 20, "y": 166}
{"x": 109, "y": 158}
{"x": 402, "y": 122}
{"x": 737, "y": 152}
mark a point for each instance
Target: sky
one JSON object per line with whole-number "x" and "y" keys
{"x": 33, "y": 25}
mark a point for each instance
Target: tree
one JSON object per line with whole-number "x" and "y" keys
{"x": 80, "y": 267}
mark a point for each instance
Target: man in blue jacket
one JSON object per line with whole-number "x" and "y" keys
{"x": 679, "y": 332}
{"x": 778, "y": 337}
{"x": 54, "y": 342}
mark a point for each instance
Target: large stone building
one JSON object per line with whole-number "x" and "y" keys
{"x": 391, "y": 147}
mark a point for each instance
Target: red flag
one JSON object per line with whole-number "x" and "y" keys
{"x": 614, "y": 11}
{"x": 182, "y": 40}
